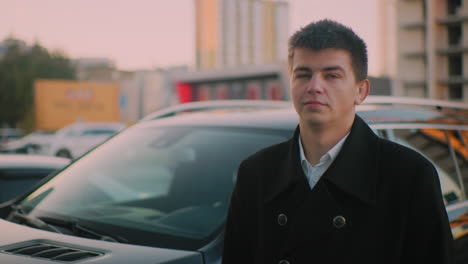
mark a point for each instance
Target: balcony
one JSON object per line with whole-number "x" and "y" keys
{"x": 452, "y": 19}
{"x": 414, "y": 83}
{"x": 414, "y": 54}
{"x": 413, "y": 25}
{"x": 453, "y": 80}
{"x": 452, "y": 49}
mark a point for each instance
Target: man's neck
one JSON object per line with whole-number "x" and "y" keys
{"x": 318, "y": 140}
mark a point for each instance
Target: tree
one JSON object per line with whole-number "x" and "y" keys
{"x": 20, "y": 65}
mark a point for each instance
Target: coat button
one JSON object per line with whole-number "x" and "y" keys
{"x": 282, "y": 219}
{"x": 283, "y": 262}
{"x": 339, "y": 221}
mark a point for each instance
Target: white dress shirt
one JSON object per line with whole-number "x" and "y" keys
{"x": 313, "y": 173}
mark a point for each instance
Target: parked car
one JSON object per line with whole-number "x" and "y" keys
{"x": 29, "y": 144}
{"x": 19, "y": 173}
{"x": 159, "y": 191}
{"x": 9, "y": 135}
{"x": 76, "y": 139}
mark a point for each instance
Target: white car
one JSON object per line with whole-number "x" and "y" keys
{"x": 29, "y": 144}
{"x": 78, "y": 138}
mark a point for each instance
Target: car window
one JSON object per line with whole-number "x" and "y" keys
{"x": 97, "y": 132}
{"x": 15, "y": 182}
{"x": 171, "y": 182}
{"x": 433, "y": 144}
{"x": 70, "y": 133}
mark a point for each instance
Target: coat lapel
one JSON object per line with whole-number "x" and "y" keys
{"x": 311, "y": 212}
{"x": 288, "y": 170}
{"x": 353, "y": 171}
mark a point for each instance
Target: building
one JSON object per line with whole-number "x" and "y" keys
{"x": 94, "y": 69}
{"x": 386, "y": 39}
{"x": 145, "y": 91}
{"x": 233, "y": 33}
{"x": 141, "y": 91}
{"x": 432, "y": 49}
{"x": 241, "y": 51}
{"x": 265, "y": 82}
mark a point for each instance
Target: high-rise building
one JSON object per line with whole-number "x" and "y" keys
{"x": 432, "y": 45}
{"x": 386, "y": 40}
{"x": 233, "y": 33}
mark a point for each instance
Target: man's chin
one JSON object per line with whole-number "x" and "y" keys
{"x": 313, "y": 119}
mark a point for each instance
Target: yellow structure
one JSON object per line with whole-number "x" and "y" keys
{"x": 206, "y": 32}
{"x": 59, "y": 102}
{"x": 235, "y": 33}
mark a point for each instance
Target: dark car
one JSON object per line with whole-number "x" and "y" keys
{"x": 19, "y": 173}
{"x": 159, "y": 191}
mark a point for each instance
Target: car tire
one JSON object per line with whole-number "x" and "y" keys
{"x": 63, "y": 153}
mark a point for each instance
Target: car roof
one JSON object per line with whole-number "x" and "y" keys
{"x": 378, "y": 111}
{"x": 213, "y": 105}
{"x": 258, "y": 118}
{"x": 98, "y": 124}
{"x": 378, "y": 116}
{"x": 31, "y": 161}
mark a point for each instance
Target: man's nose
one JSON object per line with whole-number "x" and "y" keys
{"x": 315, "y": 84}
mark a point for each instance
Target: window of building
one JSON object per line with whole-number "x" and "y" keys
{"x": 454, "y": 34}
{"x": 455, "y": 65}
{"x": 455, "y": 91}
{"x": 452, "y": 6}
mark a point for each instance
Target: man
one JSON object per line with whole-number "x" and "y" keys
{"x": 335, "y": 192}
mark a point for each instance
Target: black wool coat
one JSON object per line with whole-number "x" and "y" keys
{"x": 378, "y": 202}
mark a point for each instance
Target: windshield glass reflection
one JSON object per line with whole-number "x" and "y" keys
{"x": 173, "y": 181}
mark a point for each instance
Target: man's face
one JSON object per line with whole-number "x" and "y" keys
{"x": 323, "y": 86}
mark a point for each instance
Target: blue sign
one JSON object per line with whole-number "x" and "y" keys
{"x": 122, "y": 101}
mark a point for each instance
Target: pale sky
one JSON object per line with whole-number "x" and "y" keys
{"x": 141, "y": 34}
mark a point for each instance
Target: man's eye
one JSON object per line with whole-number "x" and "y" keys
{"x": 332, "y": 76}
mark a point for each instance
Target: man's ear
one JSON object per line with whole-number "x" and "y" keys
{"x": 362, "y": 91}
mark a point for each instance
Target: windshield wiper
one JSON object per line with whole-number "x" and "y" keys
{"x": 73, "y": 225}
{"x": 32, "y": 221}
{"x": 78, "y": 229}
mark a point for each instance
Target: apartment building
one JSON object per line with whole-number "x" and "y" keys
{"x": 432, "y": 49}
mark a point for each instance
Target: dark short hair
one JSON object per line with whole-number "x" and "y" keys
{"x": 325, "y": 34}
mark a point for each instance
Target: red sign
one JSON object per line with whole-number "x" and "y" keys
{"x": 274, "y": 90}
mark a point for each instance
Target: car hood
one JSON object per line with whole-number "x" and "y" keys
{"x": 18, "y": 236}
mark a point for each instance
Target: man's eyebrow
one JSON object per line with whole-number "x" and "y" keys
{"x": 327, "y": 68}
{"x": 302, "y": 68}
{"x": 333, "y": 68}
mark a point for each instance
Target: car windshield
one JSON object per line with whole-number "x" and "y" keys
{"x": 162, "y": 186}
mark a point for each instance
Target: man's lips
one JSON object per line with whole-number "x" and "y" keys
{"x": 313, "y": 103}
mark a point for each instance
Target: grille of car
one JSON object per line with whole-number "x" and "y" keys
{"x": 51, "y": 252}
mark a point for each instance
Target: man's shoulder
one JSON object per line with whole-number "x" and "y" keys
{"x": 258, "y": 165}
{"x": 268, "y": 155}
{"x": 401, "y": 155}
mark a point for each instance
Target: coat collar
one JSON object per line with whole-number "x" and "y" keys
{"x": 354, "y": 170}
